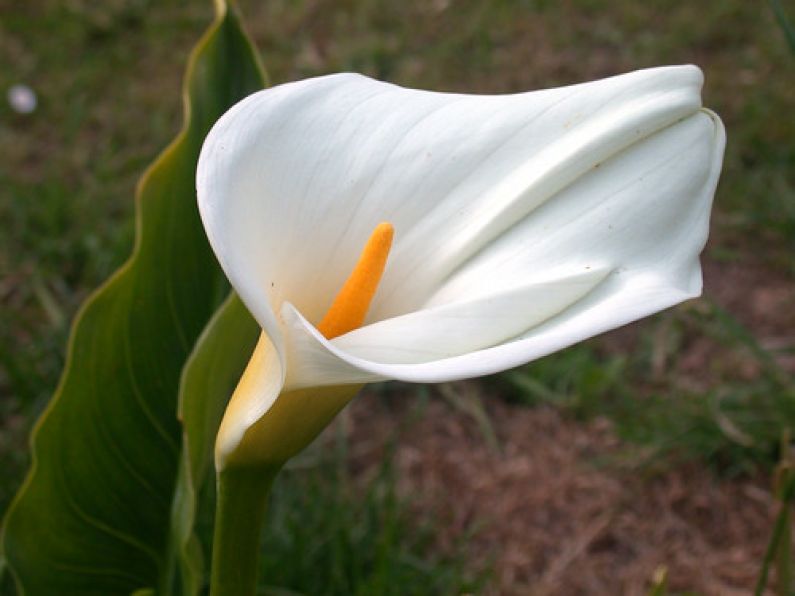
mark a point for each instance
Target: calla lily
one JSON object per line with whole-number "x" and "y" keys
{"x": 522, "y": 224}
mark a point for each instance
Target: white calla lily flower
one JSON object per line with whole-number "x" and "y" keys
{"x": 522, "y": 224}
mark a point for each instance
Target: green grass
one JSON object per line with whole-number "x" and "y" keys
{"x": 343, "y": 537}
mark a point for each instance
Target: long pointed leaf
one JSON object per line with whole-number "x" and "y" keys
{"x": 93, "y": 516}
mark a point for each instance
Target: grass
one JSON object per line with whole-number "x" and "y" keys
{"x": 108, "y": 84}
{"x": 343, "y": 537}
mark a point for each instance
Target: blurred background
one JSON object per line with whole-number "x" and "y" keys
{"x": 651, "y": 450}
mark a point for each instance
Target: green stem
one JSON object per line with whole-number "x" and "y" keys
{"x": 784, "y": 556}
{"x": 779, "y": 531}
{"x": 239, "y": 514}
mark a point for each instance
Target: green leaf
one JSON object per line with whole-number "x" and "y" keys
{"x": 93, "y": 516}
{"x": 209, "y": 377}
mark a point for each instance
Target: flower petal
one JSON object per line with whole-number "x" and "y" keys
{"x": 644, "y": 211}
{"x": 467, "y": 325}
{"x": 316, "y": 362}
{"x": 644, "y": 215}
{"x": 293, "y": 179}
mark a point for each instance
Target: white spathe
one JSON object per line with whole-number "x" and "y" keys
{"x": 523, "y": 223}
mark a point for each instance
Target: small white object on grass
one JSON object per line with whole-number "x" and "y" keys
{"x": 22, "y": 99}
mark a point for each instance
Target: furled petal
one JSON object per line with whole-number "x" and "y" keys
{"x": 317, "y": 362}
{"x": 470, "y": 324}
{"x": 523, "y": 223}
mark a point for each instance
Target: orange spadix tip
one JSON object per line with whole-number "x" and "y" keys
{"x": 350, "y": 306}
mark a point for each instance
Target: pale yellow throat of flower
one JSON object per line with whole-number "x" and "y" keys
{"x": 296, "y": 417}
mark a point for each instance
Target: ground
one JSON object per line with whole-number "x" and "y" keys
{"x": 553, "y": 510}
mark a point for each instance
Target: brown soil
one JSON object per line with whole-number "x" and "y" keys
{"x": 553, "y": 510}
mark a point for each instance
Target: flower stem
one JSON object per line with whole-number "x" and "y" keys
{"x": 240, "y": 511}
